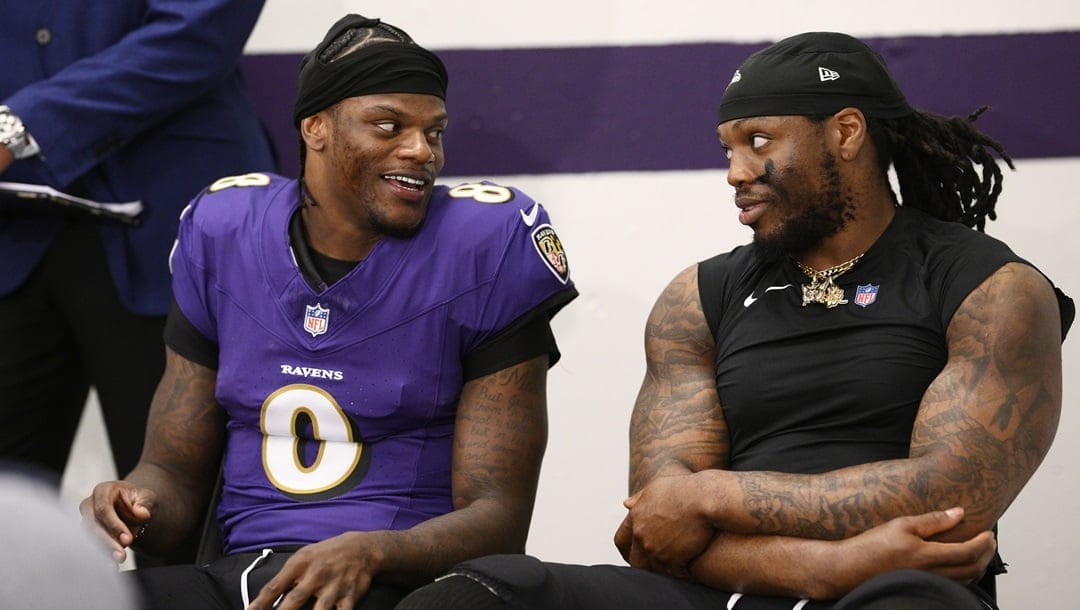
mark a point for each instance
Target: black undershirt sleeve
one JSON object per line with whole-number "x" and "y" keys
{"x": 527, "y": 337}
{"x": 186, "y": 340}
{"x": 523, "y": 342}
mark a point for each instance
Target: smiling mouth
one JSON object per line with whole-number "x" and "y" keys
{"x": 407, "y": 182}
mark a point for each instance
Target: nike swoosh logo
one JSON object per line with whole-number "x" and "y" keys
{"x": 530, "y": 218}
{"x": 750, "y": 300}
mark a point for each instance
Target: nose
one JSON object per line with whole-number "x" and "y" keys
{"x": 740, "y": 171}
{"x": 415, "y": 146}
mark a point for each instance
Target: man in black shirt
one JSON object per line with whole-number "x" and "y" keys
{"x": 863, "y": 389}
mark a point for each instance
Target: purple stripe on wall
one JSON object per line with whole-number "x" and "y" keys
{"x": 644, "y": 108}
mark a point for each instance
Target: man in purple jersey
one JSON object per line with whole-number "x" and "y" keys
{"x": 364, "y": 353}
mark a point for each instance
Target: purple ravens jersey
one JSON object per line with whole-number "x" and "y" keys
{"x": 341, "y": 403}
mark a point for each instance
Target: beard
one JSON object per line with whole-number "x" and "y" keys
{"x": 389, "y": 229}
{"x": 811, "y": 217}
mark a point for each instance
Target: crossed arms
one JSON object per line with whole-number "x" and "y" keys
{"x": 499, "y": 439}
{"x": 983, "y": 426}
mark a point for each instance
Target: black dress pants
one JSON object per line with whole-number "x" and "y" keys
{"x": 63, "y": 331}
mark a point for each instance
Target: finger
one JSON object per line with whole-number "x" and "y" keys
{"x": 100, "y": 513}
{"x": 669, "y": 568}
{"x": 969, "y": 572}
{"x": 624, "y": 537}
{"x": 930, "y": 524}
{"x": 977, "y": 551}
{"x": 638, "y": 558}
{"x": 333, "y": 596}
{"x": 138, "y": 505}
{"x": 114, "y": 512}
{"x": 270, "y": 596}
{"x": 294, "y": 599}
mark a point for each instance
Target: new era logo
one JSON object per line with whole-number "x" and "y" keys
{"x": 826, "y": 74}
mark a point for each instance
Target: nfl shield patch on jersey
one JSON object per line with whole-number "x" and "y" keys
{"x": 316, "y": 319}
{"x": 865, "y": 295}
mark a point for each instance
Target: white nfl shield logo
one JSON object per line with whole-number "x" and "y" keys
{"x": 316, "y": 319}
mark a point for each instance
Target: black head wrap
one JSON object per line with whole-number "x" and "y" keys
{"x": 380, "y": 67}
{"x": 816, "y": 73}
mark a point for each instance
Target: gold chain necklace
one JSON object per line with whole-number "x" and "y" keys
{"x": 821, "y": 288}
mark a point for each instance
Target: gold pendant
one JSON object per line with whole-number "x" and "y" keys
{"x": 824, "y": 291}
{"x": 821, "y": 288}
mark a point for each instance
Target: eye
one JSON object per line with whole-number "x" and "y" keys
{"x": 758, "y": 141}
{"x": 387, "y": 126}
{"x": 727, "y": 151}
{"x": 436, "y": 135}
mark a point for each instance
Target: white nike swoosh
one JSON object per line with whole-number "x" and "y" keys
{"x": 750, "y": 300}
{"x": 530, "y": 218}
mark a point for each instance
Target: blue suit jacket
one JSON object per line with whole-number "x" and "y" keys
{"x": 128, "y": 99}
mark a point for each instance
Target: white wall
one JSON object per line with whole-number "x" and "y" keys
{"x": 627, "y": 234}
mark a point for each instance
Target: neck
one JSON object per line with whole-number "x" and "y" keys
{"x": 328, "y": 226}
{"x": 870, "y": 219}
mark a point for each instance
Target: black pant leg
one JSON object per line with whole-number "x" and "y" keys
{"x": 122, "y": 352}
{"x": 524, "y": 582}
{"x": 43, "y": 384}
{"x": 913, "y": 590}
{"x": 378, "y": 597}
{"x": 219, "y": 585}
{"x": 179, "y": 587}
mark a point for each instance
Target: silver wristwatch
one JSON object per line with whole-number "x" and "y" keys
{"x": 13, "y": 135}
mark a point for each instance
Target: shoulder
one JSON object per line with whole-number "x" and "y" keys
{"x": 234, "y": 201}
{"x": 945, "y": 241}
{"x": 1017, "y": 296}
{"x": 484, "y": 205}
{"x": 735, "y": 261}
{"x": 966, "y": 266}
{"x": 497, "y": 223}
{"x": 228, "y": 216}
{"x": 726, "y": 278}
{"x": 677, "y": 320}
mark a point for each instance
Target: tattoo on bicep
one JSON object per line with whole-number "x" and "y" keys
{"x": 185, "y": 414}
{"x": 677, "y": 416}
{"x": 995, "y": 409}
{"x": 501, "y": 432}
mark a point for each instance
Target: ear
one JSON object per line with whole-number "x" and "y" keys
{"x": 850, "y": 133}
{"x": 314, "y": 130}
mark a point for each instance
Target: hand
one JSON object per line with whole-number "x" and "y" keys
{"x": 906, "y": 542}
{"x": 337, "y": 572}
{"x": 664, "y": 531}
{"x": 120, "y": 513}
{"x": 6, "y": 158}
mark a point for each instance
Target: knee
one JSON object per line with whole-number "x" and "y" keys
{"x": 487, "y": 583}
{"x": 504, "y": 571}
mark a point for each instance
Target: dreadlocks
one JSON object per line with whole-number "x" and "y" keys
{"x": 935, "y": 158}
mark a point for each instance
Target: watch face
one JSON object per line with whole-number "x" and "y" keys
{"x": 12, "y": 132}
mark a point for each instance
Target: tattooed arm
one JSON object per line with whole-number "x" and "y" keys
{"x": 984, "y": 425}
{"x": 678, "y": 429}
{"x": 499, "y": 440}
{"x": 169, "y": 488}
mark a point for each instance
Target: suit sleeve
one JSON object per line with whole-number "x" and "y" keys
{"x": 95, "y": 105}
